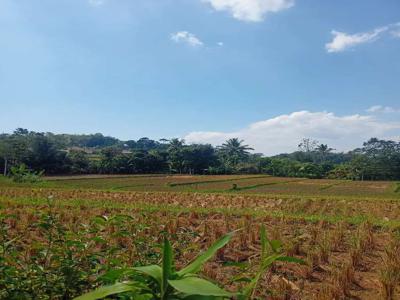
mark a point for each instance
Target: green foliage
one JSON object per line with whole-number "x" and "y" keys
{"x": 22, "y": 174}
{"x": 397, "y": 188}
{"x": 82, "y": 154}
{"x": 271, "y": 251}
{"x": 167, "y": 283}
{"x": 233, "y": 152}
{"x": 54, "y": 270}
{"x": 286, "y": 167}
{"x": 155, "y": 282}
{"x": 78, "y": 161}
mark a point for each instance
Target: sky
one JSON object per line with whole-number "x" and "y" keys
{"x": 270, "y": 72}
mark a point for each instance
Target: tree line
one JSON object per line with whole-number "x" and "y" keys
{"x": 97, "y": 154}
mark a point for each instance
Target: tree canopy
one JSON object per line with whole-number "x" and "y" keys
{"x": 97, "y": 154}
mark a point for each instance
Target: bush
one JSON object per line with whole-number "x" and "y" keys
{"x": 22, "y": 174}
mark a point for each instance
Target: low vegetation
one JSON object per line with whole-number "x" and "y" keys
{"x": 64, "y": 238}
{"x": 22, "y": 174}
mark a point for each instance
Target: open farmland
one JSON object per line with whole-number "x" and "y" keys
{"x": 61, "y": 236}
{"x": 245, "y": 184}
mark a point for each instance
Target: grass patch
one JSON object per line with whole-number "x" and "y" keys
{"x": 397, "y": 188}
{"x": 326, "y": 187}
{"x": 130, "y": 186}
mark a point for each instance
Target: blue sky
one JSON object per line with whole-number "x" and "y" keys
{"x": 204, "y": 70}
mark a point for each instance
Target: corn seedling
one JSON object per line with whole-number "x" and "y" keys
{"x": 164, "y": 282}
{"x": 271, "y": 251}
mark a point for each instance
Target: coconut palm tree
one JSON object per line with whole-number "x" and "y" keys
{"x": 233, "y": 151}
{"x": 324, "y": 150}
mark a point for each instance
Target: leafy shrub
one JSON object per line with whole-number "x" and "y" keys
{"x": 22, "y": 173}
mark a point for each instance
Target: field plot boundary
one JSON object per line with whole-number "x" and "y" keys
{"x": 249, "y": 187}
{"x": 173, "y": 184}
{"x": 93, "y": 177}
{"x": 116, "y": 188}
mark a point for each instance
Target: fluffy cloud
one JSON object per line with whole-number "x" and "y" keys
{"x": 187, "y": 38}
{"x": 250, "y": 10}
{"x": 342, "y": 41}
{"x": 283, "y": 133}
{"x": 382, "y": 109}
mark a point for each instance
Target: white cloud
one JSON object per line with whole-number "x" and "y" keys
{"x": 282, "y": 133}
{"x": 96, "y": 2}
{"x": 342, "y": 41}
{"x": 220, "y": 44}
{"x": 186, "y": 37}
{"x": 382, "y": 109}
{"x": 250, "y": 10}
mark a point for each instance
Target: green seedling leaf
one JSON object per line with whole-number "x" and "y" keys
{"x": 144, "y": 297}
{"x": 198, "y": 286}
{"x": 153, "y": 271}
{"x": 291, "y": 259}
{"x": 198, "y": 297}
{"x": 167, "y": 263}
{"x": 101, "y": 220}
{"x": 241, "y": 265}
{"x": 113, "y": 275}
{"x": 195, "y": 266}
{"x": 109, "y": 290}
{"x": 241, "y": 278}
{"x": 276, "y": 245}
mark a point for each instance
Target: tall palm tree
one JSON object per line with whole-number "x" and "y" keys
{"x": 234, "y": 150}
{"x": 323, "y": 149}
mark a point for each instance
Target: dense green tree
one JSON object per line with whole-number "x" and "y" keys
{"x": 43, "y": 155}
{"x": 5, "y": 153}
{"x": 146, "y": 144}
{"x": 197, "y": 159}
{"x": 232, "y": 152}
{"x": 107, "y": 163}
{"x": 79, "y": 162}
{"x": 176, "y": 155}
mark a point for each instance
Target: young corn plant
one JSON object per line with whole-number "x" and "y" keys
{"x": 271, "y": 251}
{"x": 164, "y": 282}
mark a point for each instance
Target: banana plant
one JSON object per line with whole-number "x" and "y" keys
{"x": 164, "y": 282}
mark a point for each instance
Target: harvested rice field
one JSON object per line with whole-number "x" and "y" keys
{"x": 65, "y": 236}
